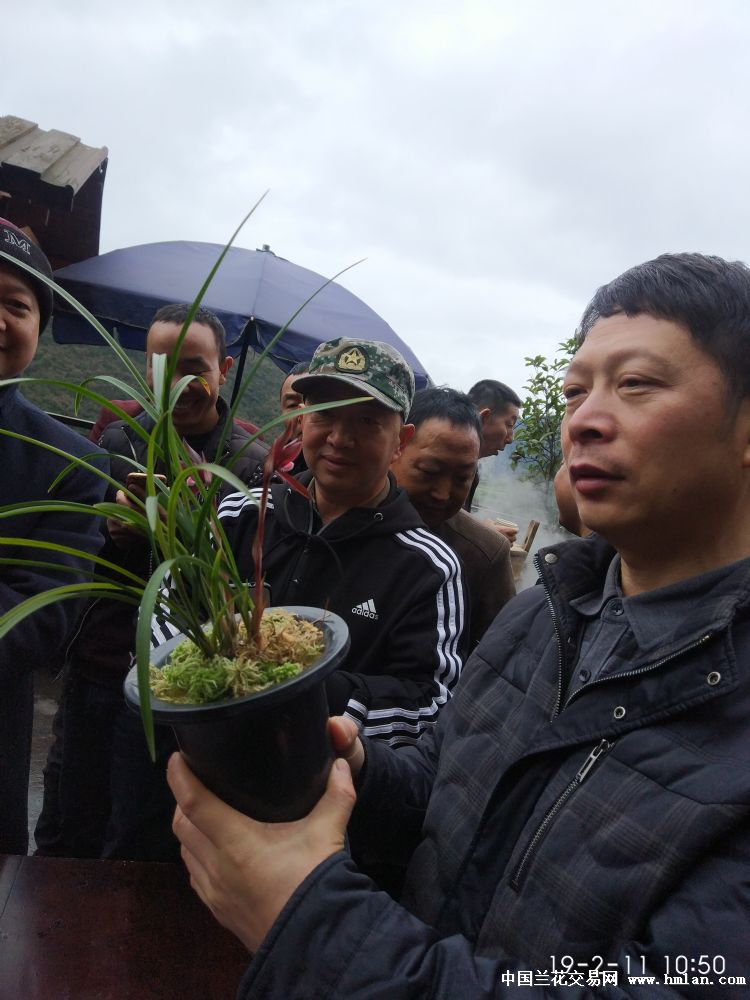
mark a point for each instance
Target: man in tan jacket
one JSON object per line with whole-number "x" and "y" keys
{"x": 436, "y": 468}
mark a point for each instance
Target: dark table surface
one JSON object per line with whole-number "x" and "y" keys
{"x": 109, "y": 930}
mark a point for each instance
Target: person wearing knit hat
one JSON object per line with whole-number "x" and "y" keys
{"x": 31, "y": 471}
{"x": 15, "y": 243}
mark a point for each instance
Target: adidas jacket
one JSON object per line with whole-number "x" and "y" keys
{"x": 397, "y": 586}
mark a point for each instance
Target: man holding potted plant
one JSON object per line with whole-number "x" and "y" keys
{"x": 579, "y": 819}
{"x": 28, "y": 475}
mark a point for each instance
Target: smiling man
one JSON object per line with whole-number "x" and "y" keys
{"x": 436, "y": 468}
{"x": 582, "y": 808}
{"x": 29, "y": 472}
{"x": 358, "y": 547}
{"x": 203, "y": 357}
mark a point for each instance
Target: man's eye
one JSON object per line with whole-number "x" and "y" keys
{"x": 570, "y": 392}
{"x": 18, "y": 305}
{"x": 635, "y": 381}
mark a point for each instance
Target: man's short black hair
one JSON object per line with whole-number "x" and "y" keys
{"x": 299, "y": 369}
{"x": 444, "y": 404}
{"x": 708, "y": 296}
{"x": 493, "y": 395}
{"x": 178, "y": 313}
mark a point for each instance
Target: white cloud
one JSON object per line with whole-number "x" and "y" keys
{"x": 494, "y": 161}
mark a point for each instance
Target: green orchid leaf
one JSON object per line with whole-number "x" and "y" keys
{"x": 152, "y": 511}
{"x": 36, "y": 602}
{"x": 79, "y": 462}
{"x": 49, "y": 546}
{"x": 143, "y": 649}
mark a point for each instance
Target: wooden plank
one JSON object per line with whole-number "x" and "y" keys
{"x": 9, "y": 865}
{"x": 40, "y": 150}
{"x": 12, "y": 128}
{"x": 112, "y": 929}
{"x": 530, "y": 535}
{"x": 75, "y": 167}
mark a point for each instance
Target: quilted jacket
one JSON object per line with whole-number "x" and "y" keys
{"x": 613, "y": 828}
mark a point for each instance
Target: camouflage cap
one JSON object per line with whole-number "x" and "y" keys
{"x": 375, "y": 368}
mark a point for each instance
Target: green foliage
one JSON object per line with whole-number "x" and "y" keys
{"x": 195, "y": 576}
{"x": 538, "y": 436}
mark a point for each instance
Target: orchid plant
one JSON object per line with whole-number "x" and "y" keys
{"x": 195, "y": 579}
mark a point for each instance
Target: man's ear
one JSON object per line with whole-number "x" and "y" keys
{"x": 743, "y": 421}
{"x": 484, "y": 415}
{"x": 404, "y": 437}
{"x": 224, "y": 369}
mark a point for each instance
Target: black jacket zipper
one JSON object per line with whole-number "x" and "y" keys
{"x": 603, "y": 747}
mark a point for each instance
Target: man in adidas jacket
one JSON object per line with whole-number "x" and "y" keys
{"x": 358, "y": 548}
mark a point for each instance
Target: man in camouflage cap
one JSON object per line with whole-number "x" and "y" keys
{"x": 356, "y": 545}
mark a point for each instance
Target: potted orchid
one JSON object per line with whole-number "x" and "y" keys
{"x": 242, "y": 685}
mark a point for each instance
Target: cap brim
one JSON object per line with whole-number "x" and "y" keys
{"x": 306, "y": 383}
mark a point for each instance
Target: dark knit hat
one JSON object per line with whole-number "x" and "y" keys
{"x": 18, "y": 245}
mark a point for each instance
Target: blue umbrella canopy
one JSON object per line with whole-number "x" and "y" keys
{"x": 254, "y": 293}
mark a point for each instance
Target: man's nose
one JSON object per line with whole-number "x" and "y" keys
{"x": 340, "y": 434}
{"x": 197, "y": 384}
{"x": 441, "y": 489}
{"x": 590, "y": 417}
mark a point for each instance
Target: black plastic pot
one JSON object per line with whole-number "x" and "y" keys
{"x": 267, "y": 754}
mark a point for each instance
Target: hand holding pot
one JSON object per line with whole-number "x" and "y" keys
{"x": 245, "y": 871}
{"x": 344, "y": 735}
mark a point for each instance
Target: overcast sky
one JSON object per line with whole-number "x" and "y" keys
{"x": 493, "y": 162}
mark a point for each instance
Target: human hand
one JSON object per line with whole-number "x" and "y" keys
{"x": 121, "y": 533}
{"x": 344, "y": 735}
{"x": 509, "y": 530}
{"x": 246, "y": 871}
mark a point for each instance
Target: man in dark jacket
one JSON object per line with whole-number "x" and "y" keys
{"x": 99, "y": 756}
{"x": 29, "y": 469}
{"x": 582, "y": 809}
{"x": 497, "y": 406}
{"x": 358, "y": 547}
{"x": 436, "y": 468}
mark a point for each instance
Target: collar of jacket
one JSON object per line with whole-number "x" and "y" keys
{"x": 662, "y": 678}
{"x": 571, "y": 569}
{"x": 8, "y": 398}
{"x": 298, "y": 514}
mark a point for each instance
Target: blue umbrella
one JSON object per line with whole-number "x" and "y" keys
{"x": 254, "y": 293}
